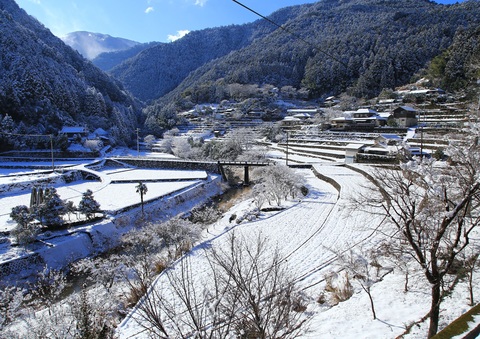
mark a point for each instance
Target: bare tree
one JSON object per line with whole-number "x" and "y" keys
{"x": 433, "y": 210}
{"x": 90, "y": 317}
{"x": 399, "y": 256}
{"x": 177, "y": 234}
{"x": 11, "y": 299}
{"x": 468, "y": 263}
{"x": 277, "y": 184}
{"x": 247, "y": 293}
{"x": 365, "y": 268}
{"x": 259, "y": 284}
{"x": 48, "y": 287}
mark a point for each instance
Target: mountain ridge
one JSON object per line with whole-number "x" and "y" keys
{"x": 56, "y": 88}
{"x": 90, "y": 44}
{"x": 330, "y": 17}
{"x": 329, "y": 47}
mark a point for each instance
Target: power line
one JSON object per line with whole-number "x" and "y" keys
{"x": 26, "y": 135}
{"x": 292, "y": 33}
{"x": 36, "y": 136}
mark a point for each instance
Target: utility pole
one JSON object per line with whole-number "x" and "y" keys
{"x": 138, "y": 144}
{"x": 51, "y": 151}
{"x": 421, "y": 135}
{"x": 286, "y": 154}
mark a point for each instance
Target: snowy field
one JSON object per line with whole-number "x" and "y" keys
{"x": 310, "y": 234}
{"x": 111, "y": 196}
{"x": 153, "y": 174}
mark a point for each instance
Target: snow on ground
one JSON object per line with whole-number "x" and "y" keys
{"x": 309, "y": 233}
{"x": 153, "y": 174}
{"x": 117, "y": 196}
{"x": 110, "y": 196}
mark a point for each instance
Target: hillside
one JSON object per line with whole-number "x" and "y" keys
{"x": 159, "y": 69}
{"x": 332, "y": 46}
{"x": 310, "y": 236}
{"x": 90, "y": 45}
{"x": 108, "y": 60}
{"x": 45, "y": 85}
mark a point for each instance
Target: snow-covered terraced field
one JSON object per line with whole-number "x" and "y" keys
{"x": 111, "y": 196}
{"x": 308, "y": 234}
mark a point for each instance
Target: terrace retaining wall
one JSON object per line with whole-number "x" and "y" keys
{"x": 58, "y": 251}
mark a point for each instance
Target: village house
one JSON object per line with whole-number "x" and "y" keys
{"x": 342, "y": 123}
{"x": 405, "y": 116}
{"x": 364, "y": 118}
{"x": 368, "y": 118}
{"x": 100, "y": 134}
{"x": 74, "y": 132}
{"x": 299, "y": 118}
{"x": 310, "y": 112}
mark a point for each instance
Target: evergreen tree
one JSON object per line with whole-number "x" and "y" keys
{"x": 141, "y": 189}
{"x": 51, "y": 210}
{"x": 88, "y": 205}
{"x": 25, "y": 232}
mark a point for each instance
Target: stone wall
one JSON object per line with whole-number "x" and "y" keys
{"x": 91, "y": 240}
{"x": 208, "y": 166}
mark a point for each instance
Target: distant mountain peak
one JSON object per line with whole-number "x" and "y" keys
{"x": 90, "y": 45}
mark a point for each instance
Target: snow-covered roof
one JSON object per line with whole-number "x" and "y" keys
{"x": 302, "y": 115}
{"x": 303, "y": 110}
{"x": 354, "y": 146}
{"x": 408, "y": 108}
{"x": 73, "y": 129}
{"x": 376, "y": 117}
{"x": 391, "y": 136}
{"x": 291, "y": 118}
{"x": 100, "y": 132}
{"x": 366, "y": 110}
{"x": 385, "y": 115}
{"x": 339, "y": 119}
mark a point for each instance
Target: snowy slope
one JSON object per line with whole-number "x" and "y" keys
{"x": 309, "y": 233}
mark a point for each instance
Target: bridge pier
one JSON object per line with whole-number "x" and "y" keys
{"x": 245, "y": 164}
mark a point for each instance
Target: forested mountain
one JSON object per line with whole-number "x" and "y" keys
{"x": 108, "y": 60}
{"x": 458, "y": 68}
{"x": 332, "y": 46}
{"x": 158, "y": 70}
{"x": 44, "y": 85}
{"x": 90, "y": 45}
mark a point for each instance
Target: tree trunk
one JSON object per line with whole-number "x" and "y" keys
{"x": 434, "y": 310}
{"x": 371, "y": 304}
{"x": 405, "y": 288}
{"x": 470, "y": 287}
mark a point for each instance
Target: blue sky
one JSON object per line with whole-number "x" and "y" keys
{"x": 148, "y": 20}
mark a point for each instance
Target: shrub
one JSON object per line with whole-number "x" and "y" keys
{"x": 339, "y": 287}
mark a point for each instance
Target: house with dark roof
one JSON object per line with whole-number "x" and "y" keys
{"x": 73, "y": 132}
{"x": 405, "y": 116}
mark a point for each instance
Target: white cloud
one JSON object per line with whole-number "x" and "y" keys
{"x": 35, "y": 1}
{"x": 149, "y": 10}
{"x": 180, "y": 34}
{"x": 200, "y": 3}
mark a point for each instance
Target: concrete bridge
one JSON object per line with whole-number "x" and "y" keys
{"x": 208, "y": 166}
{"x": 246, "y": 165}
